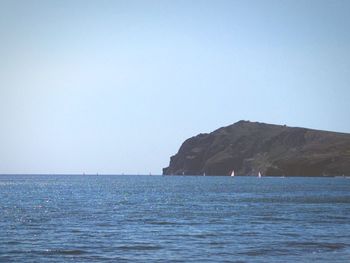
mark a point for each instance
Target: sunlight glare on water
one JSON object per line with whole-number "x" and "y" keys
{"x": 184, "y": 219}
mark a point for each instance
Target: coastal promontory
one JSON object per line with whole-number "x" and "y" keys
{"x": 274, "y": 150}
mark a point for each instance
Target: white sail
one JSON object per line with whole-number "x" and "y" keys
{"x": 259, "y": 175}
{"x": 233, "y": 173}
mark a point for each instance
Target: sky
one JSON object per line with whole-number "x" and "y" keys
{"x": 117, "y": 86}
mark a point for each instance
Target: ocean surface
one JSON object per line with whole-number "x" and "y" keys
{"x": 63, "y": 218}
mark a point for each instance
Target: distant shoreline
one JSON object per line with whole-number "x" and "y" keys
{"x": 160, "y": 175}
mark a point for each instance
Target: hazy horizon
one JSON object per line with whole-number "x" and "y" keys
{"x": 115, "y": 87}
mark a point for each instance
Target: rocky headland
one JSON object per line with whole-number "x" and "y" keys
{"x": 274, "y": 150}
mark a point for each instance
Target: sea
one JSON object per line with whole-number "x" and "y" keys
{"x": 129, "y": 218}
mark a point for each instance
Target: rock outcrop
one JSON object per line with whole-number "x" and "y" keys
{"x": 274, "y": 150}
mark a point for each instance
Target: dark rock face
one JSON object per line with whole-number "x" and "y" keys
{"x": 275, "y": 150}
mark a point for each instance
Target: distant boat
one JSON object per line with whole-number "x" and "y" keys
{"x": 259, "y": 175}
{"x": 233, "y": 173}
{"x": 204, "y": 174}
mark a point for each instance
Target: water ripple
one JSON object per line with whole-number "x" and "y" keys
{"x": 173, "y": 219}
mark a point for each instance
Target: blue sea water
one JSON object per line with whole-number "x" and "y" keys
{"x": 47, "y": 218}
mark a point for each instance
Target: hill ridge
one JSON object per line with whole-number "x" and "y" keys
{"x": 275, "y": 150}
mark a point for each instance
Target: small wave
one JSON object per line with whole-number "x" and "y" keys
{"x": 65, "y": 252}
{"x": 204, "y": 235}
{"x": 161, "y": 223}
{"x": 317, "y": 245}
{"x": 218, "y": 243}
{"x": 139, "y": 247}
{"x": 288, "y": 234}
{"x": 250, "y": 234}
{"x": 12, "y": 243}
{"x": 266, "y": 252}
{"x": 196, "y": 235}
{"x": 104, "y": 225}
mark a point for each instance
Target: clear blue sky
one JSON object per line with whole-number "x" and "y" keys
{"x": 117, "y": 86}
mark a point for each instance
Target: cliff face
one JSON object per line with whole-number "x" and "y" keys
{"x": 249, "y": 147}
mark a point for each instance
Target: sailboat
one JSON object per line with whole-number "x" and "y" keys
{"x": 233, "y": 173}
{"x": 259, "y": 175}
